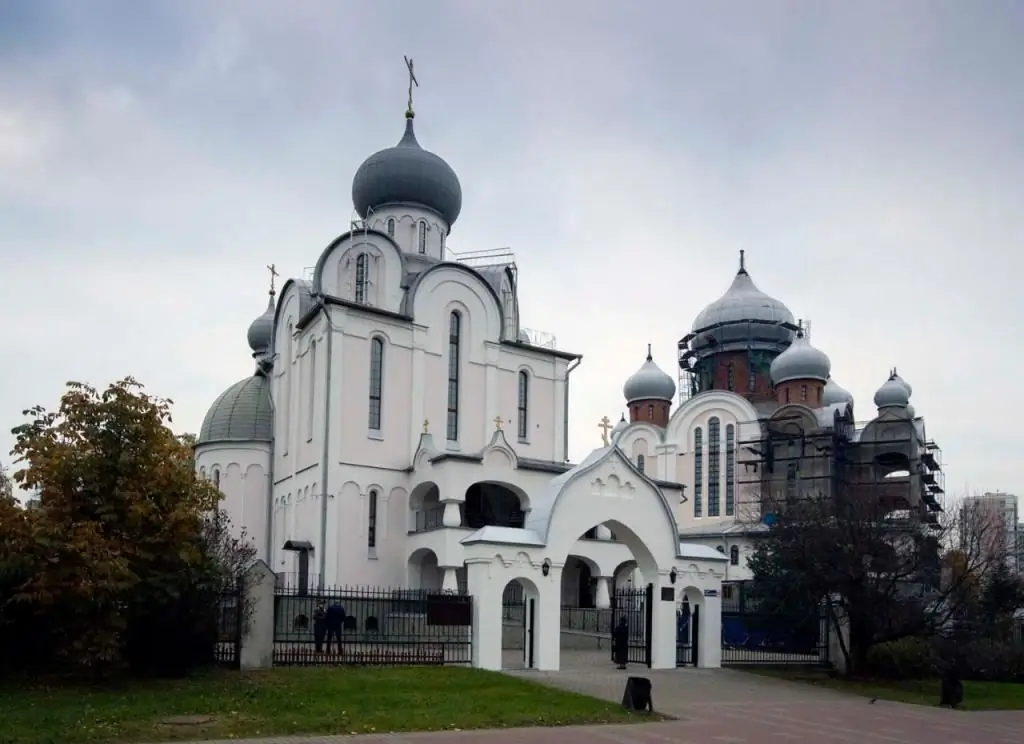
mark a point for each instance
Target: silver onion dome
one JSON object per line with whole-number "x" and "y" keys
{"x": 261, "y": 331}
{"x": 893, "y": 393}
{"x": 649, "y": 383}
{"x": 834, "y": 393}
{"x": 800, "y": 361}
{"x": 744, "y": 318}
{"x": 407, "y": 174}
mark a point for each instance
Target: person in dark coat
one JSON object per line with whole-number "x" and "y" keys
{"x": 319, "y": 626}
{"x": 620, "y": 643}
{"x": 335, "y": 622}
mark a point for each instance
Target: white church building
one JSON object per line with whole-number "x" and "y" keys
{"x": 402, "y": 429}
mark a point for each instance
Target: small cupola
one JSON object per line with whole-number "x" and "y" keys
{"x": 893, "y": 394}
{"x": 801, "y": 372}
{"x": 834, "y": 393}
{"x": 649, "y": 393}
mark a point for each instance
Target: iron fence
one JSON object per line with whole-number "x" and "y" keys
{"x": 636, "y": 607}
{"x": 774, "y": 638}
{"x": 230, "y": 616}
{"x": 371, "y": 626}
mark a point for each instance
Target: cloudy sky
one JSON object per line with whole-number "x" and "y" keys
{"x": 869, "y": 156}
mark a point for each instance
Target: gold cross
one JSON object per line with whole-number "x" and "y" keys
{"x": 412, "y": 81}
{"x": 272, "y": 268}
{"x": 605, "y": 426}
{"x": 426, "y": 426}
{"x": 497, "y": 423}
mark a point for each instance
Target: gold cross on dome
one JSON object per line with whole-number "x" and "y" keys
{"x": 497, "y": 423}
{"x": 412, "y": 81}
{"x": 426, "y": 426}
{"x": 605, "y": 425}
{"x": 272, "y": 268}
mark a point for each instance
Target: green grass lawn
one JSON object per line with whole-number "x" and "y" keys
{"x": 294, "y": 701}
{"x": 977, "y": 695}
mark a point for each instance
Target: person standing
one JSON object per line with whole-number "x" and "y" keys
{"x": 335, "y": 623}
{"x": 620, "y": 643}
{"x": 319, "y": 625}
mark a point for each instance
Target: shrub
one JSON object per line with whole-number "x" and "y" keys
{"x": 993, "y": 661}
{"x": 907, "y": 658}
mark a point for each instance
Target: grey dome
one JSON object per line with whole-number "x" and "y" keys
{"x": 744, "y": 318}
{"x": 904, "y": 383}
{"x": 800, "y": 361}
{"x": 911, "y": 411}
{"x": 407, "y": 174}
{"x": 242, "y": 413}
{"x": 649, "y": 383}
{"x": 893, "y": 393}
{"x": 261, "y": 332}
{"x": 835, "y": 393}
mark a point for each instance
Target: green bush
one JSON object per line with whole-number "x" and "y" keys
{"x": 907, "y": 658}
{"x": 993, "y": 661}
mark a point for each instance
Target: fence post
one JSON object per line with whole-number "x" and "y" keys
{"x": 257, "y": 646}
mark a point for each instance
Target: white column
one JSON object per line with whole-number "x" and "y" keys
{"x": 450, "y": 583}
{"x": 452, "y": 517}
{"x": 602, "y": 598}
{"x": 603, "y": 533}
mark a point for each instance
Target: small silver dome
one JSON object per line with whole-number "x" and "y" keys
{"x": 800, "y": 361}
{"x": 744, "y": 318}
{"x": 242, "y": 413}
{"x": 649, "y": 383}
{"x": 835, "y": 393}
{"x": 407, "y": 174}
{"x": 892, "y": 394}
{"x": 261, "y": 332}
{"x": 911, "y": 411}
{"x": 904, "y": 383}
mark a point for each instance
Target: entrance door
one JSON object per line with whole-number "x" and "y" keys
{"x": 637, "y": 607}
{"x": 530, "y": 617}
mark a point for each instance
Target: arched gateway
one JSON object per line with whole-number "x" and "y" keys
{"x": 605, "y": 489}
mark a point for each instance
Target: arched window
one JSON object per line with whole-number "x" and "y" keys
{"x": 787, "y": 395}
{"x": 391, "y": 226}
{"x": 650, "y": 412}
{"x": 361, "y": 278}
{"x": 454, "y": 341}
{"x": 524, "y": 402}
{"x": 423, "y": 237}
{"x": 734, "y": 555}
{"x": 311, "y": 391}
{"x": 640, "y": 463}
{"x": 730, "y": 470}
{"x": 730, "y": 377}
{"x": 371, "y": 525}
{"x": 698, "y": 472}
{"x": 803, "y": 392}
{"x": 714, "y": 467}
{"x": 216, "y": 478}
{"x": 376, "y": 381}
{"x": 751, "y": 378}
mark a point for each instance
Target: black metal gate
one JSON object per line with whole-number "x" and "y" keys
{"x": 687, "y": 635}
{"x": 637, "y": 607}
{"x": 230, "y": 616}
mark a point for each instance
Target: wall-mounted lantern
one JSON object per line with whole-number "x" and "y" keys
{"x": 545, "y": 567}
{"x": 672, "y": 576}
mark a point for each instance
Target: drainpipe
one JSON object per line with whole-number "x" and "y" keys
{"x": 325, "y": 466}
{"x": 273, "y": 456}
{"x": 568, "y": 370}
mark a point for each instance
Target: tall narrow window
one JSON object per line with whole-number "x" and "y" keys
{"x": 216, "y": 478}
{"x": 371, "y": 525}
{"x": 423, "y": 237}
{"x": 524, "y": 401}
{"x": 698, "y": 472}
{"x": 361, "y": 278}
{"x": 376, "y": 381}
{"x": 714, "y": 467}
{"x": 787, "y": 395}
{"x": 640, "y": 463}
{"x": 803, "y": 392}
{"x": 730, "y": 471}
{"x": 734, "y": 555}
{"x": 751, "y": 378}
{"x": 454, "y": 340}
{"x": 391, "y": 227}
{"x": 311, "y": 391}
{"x": 730, "y": 377}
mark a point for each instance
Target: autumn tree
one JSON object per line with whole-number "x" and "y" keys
{"x": 879, "y": 572}
{"x": 127, "y": 549}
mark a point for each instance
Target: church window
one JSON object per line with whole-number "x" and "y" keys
{"x": 640, "y": 463}
{"x": 361, "y": 278}
{"x": 734, "y": 555}
{"x": 423, "y": 237}
{"x": 371, "y": 525}
{"x": 311, "y": 391}
{"x": 787, "y": 395}
{"x": 391, "y": 227}
{"x": 730, "y": 470}
{"x": 751, "y": 379}
{"x": 803, "y": 392}
{"x": 454, "y": 340}
{"x": 730, "y": 377}
{"x": 714, "y": 467}
{"x": 376, "y": 381}
{"x": 216, "y": 478}
{"x": 524, "y": 399}
{"x": 698, "y": 472}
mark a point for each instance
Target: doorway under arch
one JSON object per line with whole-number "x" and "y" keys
{"x": 423, "y": 570}
{"x": 489, "y": 503}
{"x": 519, "y": 622}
